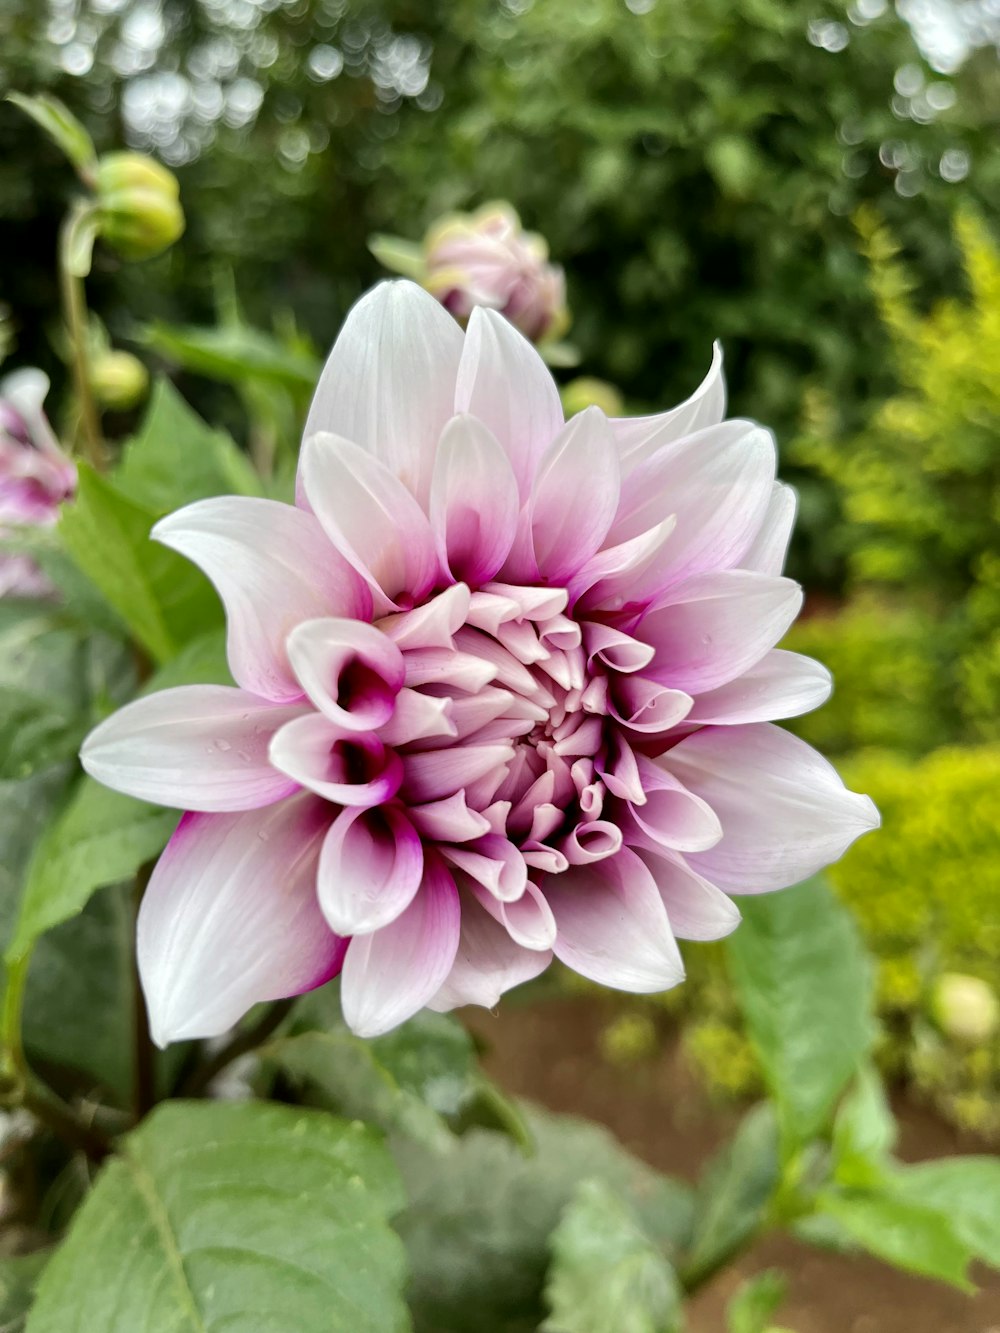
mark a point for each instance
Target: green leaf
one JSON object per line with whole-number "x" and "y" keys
{"x": 904, "y": 1234}
{"x": 233, "y": 354}
{"x": 176, "y": 458}
{"x": 161, "y": 597}
{"x": 43, "y": 704}
{"x": 733, "y": 1194}
{"x": 102, "y": 837}
{"x": 864, "y": 1131}
{"x": 219, "y": 1217}
{"x": 606, "y": 1273}
{"x": 19, "y": 1276}
{"x": 757, "y": 1300}
{"x": 399, "y": 256}
{"x": 481, "y": 1214}
{"x": 804, "y": 984}
{"x": 61, "y": 126}
{"x": 966, "y": 1190}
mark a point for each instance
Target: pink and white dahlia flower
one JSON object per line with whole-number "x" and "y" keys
{"x": 505, "y": 690}
{"x": 35, "y": 476}
{"x": 487, "y": 259}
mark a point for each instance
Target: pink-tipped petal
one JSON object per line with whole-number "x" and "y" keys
{"x": 389, "y": 383}
{"x": 493, "y": 862}
{"x": 718, "y": 484}
{"x": 529, "y": 921}
{"x": 370, "y": 867}
{"x": 273, "y": 567}
{"x": 504, "y": 382}
{"x": 351, "y": 671}
{"x": 672, "y": 815}
{"x": 626, "y": 574}
{"x": 432, "y": 625}
{"x": 715, "y": 626}
{"x": 696, "y": 908}
{"x": 352, "y": 769}
{"x": 416, "y": 717}
{"x": 574, "y": 497}
{"x": 645, "y": 705}
{"x": 488, "y": 963}
{"x": 230, "y": 918}
{"x": 195, "y": 747}
{"x": 615, "y": 649}
{"x": 591, "y": 840}
{"x": 638, "y": 437}
{"x": 782, "y": 684}
{"x": 612, "y": 926}
{"x": 434, "y": 774}
{"x": 784, "y": 810}
{"x": 768, "y": 549}
{"x": 449, "y": 820}
{"x": 371, "y": 518}
{"x": 390, "y": 975}
{"x": 473, "y": 503}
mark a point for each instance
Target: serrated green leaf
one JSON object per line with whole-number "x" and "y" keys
{"x": 176, "y": 458}
{"x": 902, "y": 1233}
{"x": 102, "y": 837}
{"x": 864, "y": 1131}
{"x": 481, "y": 1213}
{"x": 61, "y": 126}
{"x": 233, "y": 354}
{"x": 757, "y": 1300}
{"x": 804, "y": 983}
{"x": 606, "y": 1273}
{"x": 219, "y": 1217}
{"x": 19, "y": 1275}
{"x": 163, "y": 599}
{"x": 966, "y": 1190}
{"x": 733, "y": 1194}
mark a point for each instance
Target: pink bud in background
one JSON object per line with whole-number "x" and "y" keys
{"x": 35, "y": 476}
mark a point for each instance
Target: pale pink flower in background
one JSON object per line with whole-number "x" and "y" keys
{"x": 487, "y": 259}
{"x": 505, "y": 689}
{"x": 35, "y": 477}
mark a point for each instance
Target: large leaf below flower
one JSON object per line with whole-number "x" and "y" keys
{"x": 804, "y": 984}
{"x": 221, "y": 1217}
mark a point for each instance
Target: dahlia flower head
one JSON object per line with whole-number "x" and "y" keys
{"x": 505, "y": 690}
{"x": 487, "y": 259}
{"x": 35, "y": 477}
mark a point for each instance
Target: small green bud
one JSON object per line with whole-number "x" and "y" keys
{"x": 119, "y": 380}
{"x": 139, "y": 205}
{"x": 965, "y": 1008}
{"x": 587, "y": 392}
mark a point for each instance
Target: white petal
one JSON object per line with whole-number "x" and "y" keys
{"x": 784, "y": 811}
{"x": 713, "y": 627}
{"x": 196, "y": 747}
{"x": 390, "y": 975}
{"x": 488, "y": 962}
{"x": 350, "y": 670}
{"x": 371, "y": 519}
{"x": 782, "y": 684}
{"x": 389, "y": 383}
{"x": 370, "y": 868}
{"x": 671, "y": 815}
{"x": 575, "y": 495}
{"x": 504, "y": 382}
{"x": 696, "y": 908}
{"x": 230, "y": 918}
{"x": 612, "y": 925}
{"x": 273, "y": 567}
{"x": 474, "y": 502}
{"x": 638, "y": 437}
{"x": 351, "y": 769}
{"x": 768, "y": 549}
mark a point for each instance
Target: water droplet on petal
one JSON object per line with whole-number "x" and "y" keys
{"x": 223, "y": 745}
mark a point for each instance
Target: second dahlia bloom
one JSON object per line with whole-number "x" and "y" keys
{"x": 35, "y": 476}
{"x": 505, "y": 690}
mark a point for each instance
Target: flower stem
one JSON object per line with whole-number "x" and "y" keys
{"x": 244, "y": 1041}
{"x": 74, "y": 255}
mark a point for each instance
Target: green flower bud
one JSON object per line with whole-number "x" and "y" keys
{"x": 139, "y": 211}
{"x": 587, "y": 392}
{"x": 965, "y": 1008}
{"x": 119, "y": 380}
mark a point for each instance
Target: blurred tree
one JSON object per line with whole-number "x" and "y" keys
{"x": 694, "y": 166}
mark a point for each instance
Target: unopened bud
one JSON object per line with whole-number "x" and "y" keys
{"x": 119, "y": 380}
{"x": 586, "y": 392}
{"x": 965, "y": 1008}
{"x": 139, "y": 205}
